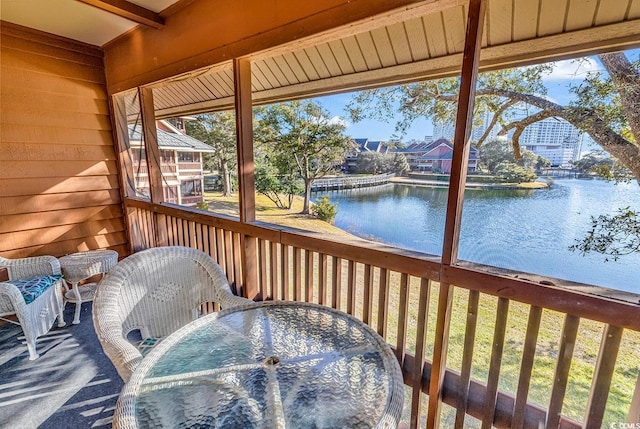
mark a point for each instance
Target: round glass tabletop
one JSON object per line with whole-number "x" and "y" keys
{"x": 270, "y": 364}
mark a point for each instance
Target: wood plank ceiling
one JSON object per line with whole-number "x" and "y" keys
{"x": 410, "y": 48}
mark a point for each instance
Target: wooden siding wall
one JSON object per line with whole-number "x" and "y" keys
{"x": 59, "y": 188}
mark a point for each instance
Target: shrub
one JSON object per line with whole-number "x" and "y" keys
{"x": 202, "y": 205}
{"x": 514, "y": 173}
{"x": 324, "y": 210}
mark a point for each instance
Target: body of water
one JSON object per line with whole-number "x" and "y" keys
{"x": 524, "y": 230}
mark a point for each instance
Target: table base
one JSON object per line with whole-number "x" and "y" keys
{"x": 86, "y": 293}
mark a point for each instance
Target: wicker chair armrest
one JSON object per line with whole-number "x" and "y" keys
{"x": 124, "y": 355}
{"x": 222, "y": 291}
{"x": 231, "y": 300}
{"x": 28, "y": 267}
{"x": 11, "y": 298}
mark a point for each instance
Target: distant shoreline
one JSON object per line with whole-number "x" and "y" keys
{"x": 469, "y": 185}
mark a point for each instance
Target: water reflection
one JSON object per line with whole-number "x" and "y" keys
{"x": 525, "y": 230}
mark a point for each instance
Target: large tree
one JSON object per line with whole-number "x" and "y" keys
{"x": 605, "y": 104}
{"x": 302, "y": 132}
{"x": 218, "y": 130}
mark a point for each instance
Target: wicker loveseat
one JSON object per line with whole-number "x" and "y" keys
{"x": 152, "y": 293}
{"x": 33, "y": 293}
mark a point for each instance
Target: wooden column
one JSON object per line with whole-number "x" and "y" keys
{"x": 152, "y": 153}
{"x": 246, "y": 183}
{"x": 121, "y": 138}
{"x": 125, "y": 167}
{"x": 464, "y": 119}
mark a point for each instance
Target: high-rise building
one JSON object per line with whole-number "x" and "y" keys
{"x": 447, "y": 130}
{"x": 554, "y": 139}
{"x": 443, "y": 130}
{"x": 483, "y": 122}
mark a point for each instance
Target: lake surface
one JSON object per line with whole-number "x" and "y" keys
{"x": 524, "y": 230}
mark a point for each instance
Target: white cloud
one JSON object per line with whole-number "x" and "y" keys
{"x": 572, "y": 69}
{"x": 340, "y": 121}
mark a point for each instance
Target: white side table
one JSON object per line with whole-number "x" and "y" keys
{"x": 81, "y": 266}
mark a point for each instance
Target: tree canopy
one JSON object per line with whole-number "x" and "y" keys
{"x": 605, "y": 105}
{"x": 302, "y": 135}
{"x": 218, "y": 130}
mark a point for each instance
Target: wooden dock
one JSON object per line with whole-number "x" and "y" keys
{"x": 350, "y": 182}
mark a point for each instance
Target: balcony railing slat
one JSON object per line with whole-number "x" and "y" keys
{"x": 220, "y": 253}
{"x": 336, "y": 282}
{"x": 201, "y": 238}
{"x": 500, "y": 330}
{"x": 172, "y": 227}
{"x": 193, "y": 241}
{"x": 440, "y": 347}
{"x": 297, "y": 274}
{"x": 561, "y": 376}
{"x": 180, "y": 231}
{"x": 367, "y": 295}
{"x": 418, "y": 363}
{"x": 383, "y": 301}
{"x": 403, "y": 317}
{"x": 467, "y": 357}
{"x": 211, "y": 241}
{"x": 284, "y": 271}
{"x": 322, "y": 279}
{"x": 609, "y": 346}
{"x": 262, "y": 268}
{"x": 351, "y": 286}
{"x": 228, "y": 257}
{"x": 273, "y": 270}
{"x": 237, "y": 245}
{"x": 161, "y": 222}
{"x": 528, "y": 355}
{"x": 634, "y": 408}
{"x": 308, "y": 276}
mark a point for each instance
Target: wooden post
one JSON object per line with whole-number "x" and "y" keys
{"x": 121, "y": 137}
{"x": 152, "y": 152}
{"x": 246, "y": 185}
{"x": 459, "y": 162}
{"x": 125, "y": 170}
{"x": 464, "y": 119}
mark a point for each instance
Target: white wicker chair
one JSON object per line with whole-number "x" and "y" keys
{"x": 37, "y": 317}
{"x": 155, "y": 291}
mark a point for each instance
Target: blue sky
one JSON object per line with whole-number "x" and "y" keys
{"x": 565, "y": 73}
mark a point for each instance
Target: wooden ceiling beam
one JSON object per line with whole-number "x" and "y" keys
{"x": 130, "y": 11}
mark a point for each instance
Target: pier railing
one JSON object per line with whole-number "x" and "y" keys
{"x": 476, "y": 349}
{"x": 349, "y": 182}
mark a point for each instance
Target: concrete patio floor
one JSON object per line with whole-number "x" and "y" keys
{"x": 71, "y": 385}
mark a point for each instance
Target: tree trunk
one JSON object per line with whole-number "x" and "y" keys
{"x": 307, "y": 195}
{"x": 226, "y": 179}
{"x": 627, "y": 81}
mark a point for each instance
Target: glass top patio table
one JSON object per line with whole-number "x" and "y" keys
{"x": 266, "y": 365}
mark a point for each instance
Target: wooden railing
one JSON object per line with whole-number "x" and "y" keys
{"x": 182, "y": 165}
{"x": 348, "y": 182}
{"x": 512, "y": 347}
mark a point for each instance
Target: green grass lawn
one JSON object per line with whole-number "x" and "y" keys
{"x": 585, "y": 352}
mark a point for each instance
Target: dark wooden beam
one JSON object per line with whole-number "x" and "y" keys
{"x": 150, "y": 135}
{"x": 461, "y": 143}
{"x": 246, "y": 181}
{"x": 464, "y": 120}
{"x": 130, "y": 11}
